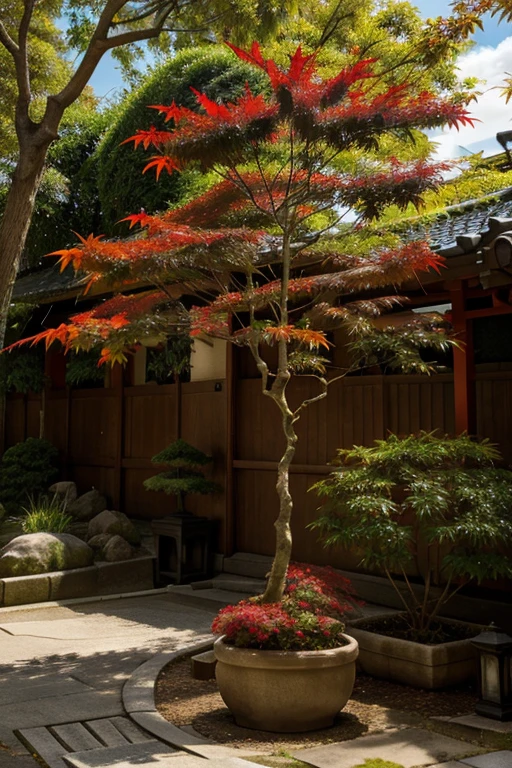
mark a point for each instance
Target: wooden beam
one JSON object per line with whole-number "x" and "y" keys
{"x": 463, "y": 363}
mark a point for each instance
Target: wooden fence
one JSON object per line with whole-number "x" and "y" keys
{"x": 106, "y": 438}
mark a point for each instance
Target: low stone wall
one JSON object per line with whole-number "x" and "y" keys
{"x": 98, "y": 579}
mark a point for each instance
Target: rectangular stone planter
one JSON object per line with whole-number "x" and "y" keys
{"x": 99, "y": 579}
{"x": 422, "y": 666}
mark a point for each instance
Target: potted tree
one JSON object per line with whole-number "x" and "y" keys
{"x": 434, "y": 514}
{"x": 270, "y": 241}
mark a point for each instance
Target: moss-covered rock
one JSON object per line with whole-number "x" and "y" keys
{"x": 42, "y": 553}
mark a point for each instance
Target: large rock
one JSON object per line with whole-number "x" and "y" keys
{"x": 97, "y": 544}
{"x": 115, "y": 523}
{"x": 87, "y": 506}
{"x": 35, "y": 553}
{"x": 65, "y": 490}
{"x": 117, "y": 549}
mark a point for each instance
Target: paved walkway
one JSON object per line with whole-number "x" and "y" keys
{"x": 67, "y": 664}
{"x": 62, "y": 670}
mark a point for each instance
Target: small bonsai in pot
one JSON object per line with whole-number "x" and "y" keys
{"x": 184, "y": 475}
{"x": 432, "y": 513}
{"x": 301, "y": 633}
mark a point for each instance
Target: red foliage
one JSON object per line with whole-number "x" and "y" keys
{"x": 308, "y": 618}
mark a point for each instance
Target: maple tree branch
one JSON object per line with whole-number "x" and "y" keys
{"x": 332, "y": 24}
{"x": 311, "y": 400}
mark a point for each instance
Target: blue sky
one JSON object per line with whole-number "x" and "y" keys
{"x": 489, "y": 60}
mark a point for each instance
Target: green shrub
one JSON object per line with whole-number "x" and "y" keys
{"x": 83, "y": 369}
{"x": 436, "y": 506}
{"x": 45, "y": 515}
{"x": 26, "y": 469}
{"x": 212, "y": 70}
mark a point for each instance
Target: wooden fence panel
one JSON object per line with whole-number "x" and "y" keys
{"x": 418, "y": 402}
{"x": 109, "y": 435}
{"x": 94, "y": 426}
{"x": 149, "y": 419}
{"x": 15, "y": 420}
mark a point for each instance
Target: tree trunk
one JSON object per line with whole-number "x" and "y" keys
{"x": 277, "y": 579}
{"x": 16, "y": 220}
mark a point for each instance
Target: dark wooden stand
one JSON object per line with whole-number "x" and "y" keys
{"x": 183, "y": 548}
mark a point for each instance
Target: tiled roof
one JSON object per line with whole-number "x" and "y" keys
{"x": 47, "y": 283}
{"x": 455, "y": 231}
{"x": 467, "y": 221}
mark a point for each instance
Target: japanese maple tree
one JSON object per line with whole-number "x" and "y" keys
{"x": 266, "y": 252}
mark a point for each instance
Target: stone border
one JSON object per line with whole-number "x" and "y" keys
{"x": 138, "y": 697}
{"x": 95, "y": 581}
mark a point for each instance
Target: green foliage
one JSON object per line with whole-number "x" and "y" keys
{"x": 26, "y": 469}
{"x": 45, "y": 515}
{"x": 184, "y": 476}
{"x": 22, "y": 370}
{"x": 212, "y": 70}
{"x": 170, "y": 363}
{"x": 437, "y": 504}
{"x": 48, "y": 66}
{"x": 82, "y": 369}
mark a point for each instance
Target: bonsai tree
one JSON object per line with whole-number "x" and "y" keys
{"x": 184, "y": 475}
{"x": 437, "y": 505}
{"x": 266, "y": 251}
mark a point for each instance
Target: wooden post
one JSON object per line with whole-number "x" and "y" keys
{"x": 463, "y": 363}
{"x": 117, "y": 384}
{"x": 229, "y": 522}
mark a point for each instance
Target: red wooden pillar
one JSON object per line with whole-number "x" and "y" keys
{"x": 463, "y": 363}
{"x": 117, "y": 382}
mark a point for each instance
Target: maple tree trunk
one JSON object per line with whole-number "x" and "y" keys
{"x": 276, "y": 581}
{"x": 277, "y": 578}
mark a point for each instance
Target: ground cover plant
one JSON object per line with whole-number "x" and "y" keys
{"x": 263, "y": 253}
{"x": 435, "y": 504}
{"x": 45, "y": 515}
{"x": 309, "y": 616}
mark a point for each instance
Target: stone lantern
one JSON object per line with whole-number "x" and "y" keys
{"x": 494, "y": 673}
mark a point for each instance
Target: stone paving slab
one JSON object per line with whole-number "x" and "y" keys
{"x": 479, "y": 722}
{"x": 54, "y": 744}
{"x": 107, "y": 733}
{"x": 44, "y": 744}
{"x": 502, "y": 759}
{"x": 31, "y": 690}
{"x": 76, "y": 737}
{"x": 449, "y": 764}
{"x": 410, "y": 747}
{"x": 152, "y": 753}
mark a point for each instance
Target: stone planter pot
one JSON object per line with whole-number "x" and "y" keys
{"x": 404, "y": 661}
{"x": 285, "y": 691}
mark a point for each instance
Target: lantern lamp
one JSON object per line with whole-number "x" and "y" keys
{"x": 494, "y": 673}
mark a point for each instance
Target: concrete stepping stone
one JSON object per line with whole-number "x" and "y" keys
{"x": 407, "y": 747}
{"x": 75, "y": 737}
{"x": 502, "y": 759}
{"x": 54, "y": 743}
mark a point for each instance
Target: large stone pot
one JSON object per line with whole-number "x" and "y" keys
{"x": 416, "y": 664}
{"x": 285, "y": 691}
